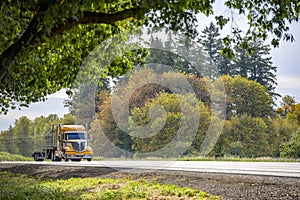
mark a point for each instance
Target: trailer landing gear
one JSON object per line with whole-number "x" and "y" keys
{"x": 54, "y": 157}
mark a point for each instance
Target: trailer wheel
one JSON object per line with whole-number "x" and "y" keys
{"x": 36, "y": 157}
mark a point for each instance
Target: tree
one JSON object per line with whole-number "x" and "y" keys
{"x": 106, "y": 133}
{"x": 245, "y": 136}
{"x": 41, "y": 49}
{"x": 43, "y": 43}
{"x": 256, "y": 65}
{"x": 295, "y": 114}
{"x": 279, "y": 130}
{"x": 213, "y": 45}
{"x": 164, "y": 128}
{"x": 246, "y": 97}
{"x": 23, "y": 133}
{"x": 287, "y": 105}
{"x": 180, "y": 54}
{"x": 27, "y": 136}
{"x": 291, "y": 148}
{"x": 193, "y": 55}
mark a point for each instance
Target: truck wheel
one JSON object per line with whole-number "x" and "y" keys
{"x": 35, "y": 157}
{"x": 52, "y": 156}
{"x": 89, "y": 159}
{"x": 67, "y": 160}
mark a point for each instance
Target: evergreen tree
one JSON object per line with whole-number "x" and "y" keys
{"x": 193, "y": 53}
{"x": 180, "y": 54}
{"x": 256, "y": 65}
{"x": 212, "y": 44}
{"x": 85, "y": 100}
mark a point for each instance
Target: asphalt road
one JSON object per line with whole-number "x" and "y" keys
{"x": 283, "y": 169}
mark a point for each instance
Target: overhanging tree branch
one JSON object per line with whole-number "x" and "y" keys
{"x": 100, "y": 18}
{"x": 32, "y": 32}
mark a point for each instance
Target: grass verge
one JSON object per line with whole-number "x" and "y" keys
{"x": 16, "y": 186}
{"x": 237, "y": 159}
{"x": 4, "y": 156}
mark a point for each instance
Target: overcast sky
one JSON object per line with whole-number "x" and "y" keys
{"x": 286, "y": 58}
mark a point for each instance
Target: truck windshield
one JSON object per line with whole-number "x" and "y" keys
{"x": 76, "y": 136}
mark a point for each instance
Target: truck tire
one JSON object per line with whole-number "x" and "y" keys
{"x": 52, "y": 156}
{"x": 89, "y": 159}
{"x": 35, "y": 157}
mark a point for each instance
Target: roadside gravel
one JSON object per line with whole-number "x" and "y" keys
{"x": 228, "y": 186}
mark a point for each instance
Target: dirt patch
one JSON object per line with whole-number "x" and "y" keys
{"x": 228, "y": 186}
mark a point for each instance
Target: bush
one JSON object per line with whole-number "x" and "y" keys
{"x": 291, "y": 148}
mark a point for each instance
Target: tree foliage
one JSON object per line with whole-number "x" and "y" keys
{"x": 27, "y": 136}
{"x": 213, "y": 45}
{"x": 43, "y": 43}
{"x": 249, "y": 130}
{"x": 291, "y": 148}
{"x": 246, "y": 97}
{"x": 158, "y": 140}
{"x": 245, "y": 136}
{"x": 255, "y": 64}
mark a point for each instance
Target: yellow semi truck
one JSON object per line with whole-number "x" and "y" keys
{"x": 68, "y": 142}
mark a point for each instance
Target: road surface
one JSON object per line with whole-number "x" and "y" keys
{"x": 282, "y": 169}
{"x": 232, "y": 180}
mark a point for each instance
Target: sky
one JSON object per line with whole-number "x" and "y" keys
{"x": 286, "y": 58}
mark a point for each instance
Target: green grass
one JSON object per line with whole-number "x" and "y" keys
{"x": 4, "y": 156}
{"x": 237, "y": 159}
{"x": 15, "y": 186}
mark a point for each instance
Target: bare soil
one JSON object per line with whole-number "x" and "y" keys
{"x": 227, "y": 186}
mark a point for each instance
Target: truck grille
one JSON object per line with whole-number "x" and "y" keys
{"x": 78, "y": 146}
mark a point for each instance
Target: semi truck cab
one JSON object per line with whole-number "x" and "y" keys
{"x": 75, "y": 146}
